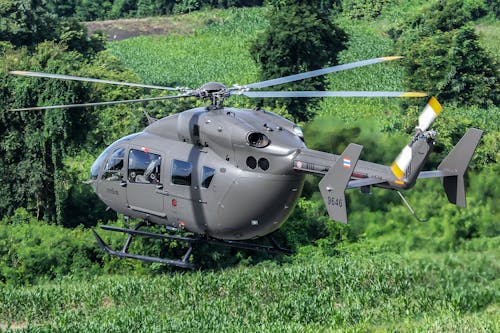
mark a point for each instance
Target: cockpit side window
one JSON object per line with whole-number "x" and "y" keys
{"x": 181, "y": 172}
{"x": 207, "y": 174}
{"x": 98, "y": 163}
{"x": 114, "y": 166}
{"x": 143, "y": 167}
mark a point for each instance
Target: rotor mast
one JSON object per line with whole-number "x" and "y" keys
{"x": 216, "y": 92}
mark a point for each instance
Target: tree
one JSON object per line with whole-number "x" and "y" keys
{"x": 444, "y": 58}
{"x": 37, "y": 146}
{"x": 35, "y": 143}
{"x": 29, "y": 22}
{"x": 299, "y": 38}
{"x": 26, "y": 22}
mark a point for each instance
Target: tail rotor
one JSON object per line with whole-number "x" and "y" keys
{"x": 411, "y": 159}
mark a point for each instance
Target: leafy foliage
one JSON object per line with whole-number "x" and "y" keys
{"x": 36, "y": 144}
{"x": 32, "y": 250}
{"x": 453, "y": 66}
{"x": 299, "y": 38}
{"x": 368, "y": 9}
{"x": 87, "y": 10}
{"x": 443, "y": 56}
{"x": 29, "y": 22}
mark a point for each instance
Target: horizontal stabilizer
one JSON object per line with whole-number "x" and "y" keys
{"x": 334, "y": 183}
{"x": 364, "y": 182}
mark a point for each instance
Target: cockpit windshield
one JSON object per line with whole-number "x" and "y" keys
{"x": 96, "y": 166}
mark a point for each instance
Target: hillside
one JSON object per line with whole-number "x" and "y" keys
{"x": 384, "y": 271}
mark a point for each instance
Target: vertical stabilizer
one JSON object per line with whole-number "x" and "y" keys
{"x": 457, "y": 162}
{"x": 334, "y": 183}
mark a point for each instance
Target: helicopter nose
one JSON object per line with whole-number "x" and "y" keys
{"x": 94, "y": 171}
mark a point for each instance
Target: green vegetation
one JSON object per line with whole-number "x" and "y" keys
{"x": 416, "y": 292}
{"x": 219, "y": 52}
{"x": 299, "y": 38}
{"x": 382, "y": 272}
{"x": 86, "y": 10}
{"x": 443, "y": 55}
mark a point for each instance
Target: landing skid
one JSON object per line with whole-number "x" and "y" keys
{"x": 191, "y": 241}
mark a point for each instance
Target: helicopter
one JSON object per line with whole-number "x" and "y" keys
{"x": 229, "y": 175}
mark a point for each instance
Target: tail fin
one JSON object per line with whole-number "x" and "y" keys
{"x": 334, "y": 183}
{"x": 457, "y": 162}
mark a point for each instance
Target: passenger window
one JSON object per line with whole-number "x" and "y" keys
{"x": 181, "y": 172}
{"x": 143, "y": 167}
{"x": 114, "y": 166}
{"x": 206, "y": 176}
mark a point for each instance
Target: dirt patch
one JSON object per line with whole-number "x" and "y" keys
{"x": 13, "y": 326}
{"x": 107, "y": 302}
{"x": 127, "y": 28}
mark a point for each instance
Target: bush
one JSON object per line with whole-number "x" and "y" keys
{"x": 368, "y": 9}
{"x": 443, "y": 56}
{"x": 31, "y": 250}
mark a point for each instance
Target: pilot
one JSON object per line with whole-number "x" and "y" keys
{"x": 152, "y": 173}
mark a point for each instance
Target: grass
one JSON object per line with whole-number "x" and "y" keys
{"x": 356, "y": 291}
{"x": 489, "y": 34}
{"x": 218, "y": 52}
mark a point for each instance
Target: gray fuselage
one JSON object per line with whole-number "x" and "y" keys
{"x": 227, "y": 173}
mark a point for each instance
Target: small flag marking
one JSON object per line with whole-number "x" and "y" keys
{"x": 347, "y": 163}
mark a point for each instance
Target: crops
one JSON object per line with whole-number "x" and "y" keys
{"x": 415, "y": 291}
{"x": 218, "y": 52}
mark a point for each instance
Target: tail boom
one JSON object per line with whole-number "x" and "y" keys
{"x": 346, "y": 171}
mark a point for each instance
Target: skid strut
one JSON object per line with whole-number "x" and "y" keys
{"x": 183, "y": 263}
{"x": 191, "y": 241}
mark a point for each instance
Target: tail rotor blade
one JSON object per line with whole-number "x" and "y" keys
{"x": 400, "y": 165}
{"x": 402, "y": 162}
{"x": 431, "y": 111}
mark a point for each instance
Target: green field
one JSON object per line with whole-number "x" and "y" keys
{"x": 218, "y": 52}
{"x": 382, "y": 272}
{"x": 361, "y": 289}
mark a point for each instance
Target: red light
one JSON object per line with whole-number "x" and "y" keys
{"x": 174, "y": 202}
{"x": 145, "y": 149}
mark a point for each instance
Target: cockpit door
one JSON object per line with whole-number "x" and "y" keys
{"x": 144, "y": 178}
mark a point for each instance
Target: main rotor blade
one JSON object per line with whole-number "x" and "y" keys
{"x": 299, "y": 94}
{"x": 319, "y": 72}
{"x": 100, "y": 103}
{"x": 88, "y": 79}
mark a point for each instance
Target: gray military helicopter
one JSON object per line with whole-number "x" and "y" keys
{"x": 230, "y": 175}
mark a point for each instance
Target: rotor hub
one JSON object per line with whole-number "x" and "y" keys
{"x": 215, "y": 91}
